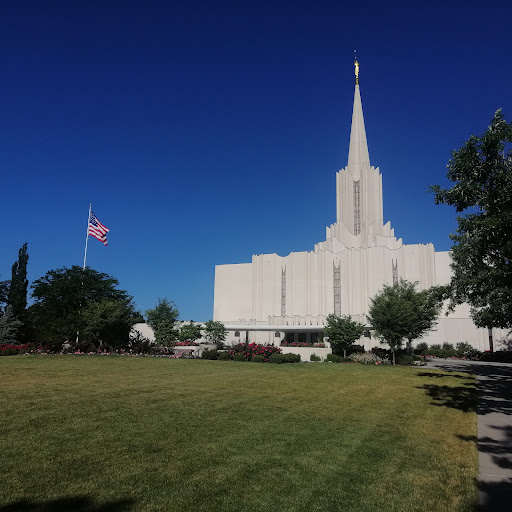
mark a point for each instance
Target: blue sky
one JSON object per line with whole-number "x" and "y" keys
{"x": 204, "y": 132}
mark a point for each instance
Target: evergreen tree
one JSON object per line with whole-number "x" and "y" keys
{"x": 4, "y": 290}
{"x": 9, "y": 326}
{"x": 17, "y": 295}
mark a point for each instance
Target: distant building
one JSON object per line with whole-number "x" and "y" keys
{"x": 288, "y": 297}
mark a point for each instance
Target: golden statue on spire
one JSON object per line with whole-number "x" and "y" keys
{"x": 356, "y": 64}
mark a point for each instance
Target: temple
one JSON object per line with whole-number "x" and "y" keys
{"x": 276, "y": 298}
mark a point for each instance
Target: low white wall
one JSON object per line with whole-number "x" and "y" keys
{"x": 305, "y": 352}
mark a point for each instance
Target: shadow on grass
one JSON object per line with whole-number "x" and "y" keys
{"x": 73, "y": 504}
{"x": 460, "y": 397}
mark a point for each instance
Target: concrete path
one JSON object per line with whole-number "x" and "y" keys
{"x": 494, "y": 391}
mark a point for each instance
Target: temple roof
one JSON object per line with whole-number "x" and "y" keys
{"x": 358, "y": 156}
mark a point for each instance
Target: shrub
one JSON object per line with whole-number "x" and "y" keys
{"x": 383, "y": 353}
{"x": 408, "y": 359}
{"x": 291, "y": 358}
{"x": 210, "y": 354}
{"x": 276, "y": 358}
{"x": 223, "y": 356}
{"x": 501, "y": 356}
{"x": 368, "y": 358}
{"x": 239, "y": 356}
{"x": 258, "y": 359}
{"x": 355, "y": 349}
{"x": 314, "y": 357}
{"x": 252, "y": 349}
{"x": 334, "y": 358}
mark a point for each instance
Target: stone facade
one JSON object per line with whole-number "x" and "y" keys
{"x": 290, "y": 296}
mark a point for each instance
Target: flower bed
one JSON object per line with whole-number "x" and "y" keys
{"x": 252, "y": 349}
{"x": 11, "y": 350}
{"x": 186, "y": 344}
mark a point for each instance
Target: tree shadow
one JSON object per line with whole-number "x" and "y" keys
{"x": 494, "y": 383}
{"x": 460, "y": 397}
{"x": 69, "y": 504}
{"x": 495, "y": 496}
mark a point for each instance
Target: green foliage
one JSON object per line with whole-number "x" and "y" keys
{"x": 421, "y": 348}
{"x": 342, "y": 332}
{"x": 108, "y": 321}
{"x": 224, "y": 356}
{"x": 210, "y": 354}
{"x": 189, "y": 332}
{"x": 239, "y": 356}
{"x": 314, "y": 357}
{"x": 284, "y": 358}
{"x": 163, "y": 320}
{"x": 63, "y": 302}
{"x": 249, "y": 350}
{"x": 481, "y": 172}
{"x": 258, "y": 359}
{"x": 9, "y": 326}
{"x": 4, "y": 290}
{"x": 214, "y": 332}
{"x": 400, "y": 312}
{"x": 334, "y": 358}
{"x": 17, "y": 295}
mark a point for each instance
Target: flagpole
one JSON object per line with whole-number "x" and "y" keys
{"x": 83, "y": 270}
{"x": 87, "y": 234}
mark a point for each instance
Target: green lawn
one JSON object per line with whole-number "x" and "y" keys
{"x": 145, "y": 434}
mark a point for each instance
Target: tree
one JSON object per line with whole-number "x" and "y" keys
{"x": 342, "y": 332}
{"x": 189, "y": 332}
{"x": 163, "y": 320}
{"x": 482, "y": 254}
{"x": 9, "y": 326}
{"x": 214, "y": 332}
{"x": 4, "y": 290}
{"x": 64, "y": 299}
{"x": 108, "y": 321}
{"x": 17, "y": 295}
{"x": 401, "y": 312}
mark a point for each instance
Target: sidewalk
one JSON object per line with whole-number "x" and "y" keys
{"x": 494, "y": 391}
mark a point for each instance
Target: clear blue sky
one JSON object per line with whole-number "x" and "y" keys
{"x": 206, "y": 131}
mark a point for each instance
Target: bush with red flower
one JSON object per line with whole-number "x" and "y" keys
{"x": 12, "y": 350}
{"x": 248, "y": 350}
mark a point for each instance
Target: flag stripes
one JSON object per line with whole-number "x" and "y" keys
{"x": 97, "y": 229}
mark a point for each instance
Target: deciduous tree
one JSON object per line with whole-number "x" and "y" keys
{"x": 64, "y": 299}
{"x": 163, "y": 320}
{"x": 342, "y": 332}
{"x": 481, "y": 172}
{"x": 400, "y": 312}
{"x": 189, "y": 332}
{"x": 214, "y": 332}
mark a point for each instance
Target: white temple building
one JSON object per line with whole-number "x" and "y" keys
{"x": 288, "y": 297}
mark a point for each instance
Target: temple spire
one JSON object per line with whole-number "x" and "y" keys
{"x": 358, "y": 156}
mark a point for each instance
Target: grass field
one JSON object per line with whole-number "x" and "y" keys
{"x": 108, "y": 434}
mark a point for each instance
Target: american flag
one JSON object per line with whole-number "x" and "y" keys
{"x": 97, "y": 229}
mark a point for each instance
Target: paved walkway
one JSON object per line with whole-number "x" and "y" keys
{"x": 494, "y": 391}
